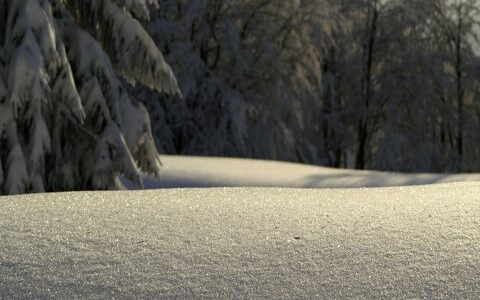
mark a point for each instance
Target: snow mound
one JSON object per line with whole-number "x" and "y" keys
{"x": 188, "y": 171}
{"x": 404, "y": 242}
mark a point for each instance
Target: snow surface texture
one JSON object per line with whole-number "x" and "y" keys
{"x": 403, "y": 242}
{"x": 186, "y": 171}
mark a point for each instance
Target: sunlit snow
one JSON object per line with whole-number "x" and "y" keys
{"x": 389, "y": 242}
{"x": 188, "y": 171}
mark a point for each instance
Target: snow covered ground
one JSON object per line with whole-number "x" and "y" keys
{"x": 182, "y": 171}
{"x": 248, "y": 242}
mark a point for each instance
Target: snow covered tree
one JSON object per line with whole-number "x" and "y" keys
{"x": 209, "y": 120}
{"x": 280, "y": 50}
{"x": 415, "y": 60}
{"x": 242, "y": 66}
{"x": 383, "y": 84}
{"x": 456, "y": 25}
{"x": 66, "y": 120}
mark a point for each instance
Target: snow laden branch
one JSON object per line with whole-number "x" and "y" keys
{"x": 127, "y": 43}
{"x": 66, "y": 122}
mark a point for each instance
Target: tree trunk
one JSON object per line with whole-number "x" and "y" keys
{"x": 3, "y": 18}
{"x": 362, "y": 143}
{"x": 459, "y": 83}
{"x": 366, "y": 85}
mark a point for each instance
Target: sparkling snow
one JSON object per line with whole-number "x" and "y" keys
{"x": 390, "y": 242}
{"x": 403, "y": 242}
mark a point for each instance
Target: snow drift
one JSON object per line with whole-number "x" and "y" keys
{"x": 189, "y": 171}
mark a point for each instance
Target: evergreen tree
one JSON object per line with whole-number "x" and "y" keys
{"x": 66, "y": 121}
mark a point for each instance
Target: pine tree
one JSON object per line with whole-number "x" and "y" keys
{"x": 66, "y": 120}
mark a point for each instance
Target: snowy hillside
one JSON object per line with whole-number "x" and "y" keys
{"x": 402, "y": 242}
{"x": 188, "y": 171}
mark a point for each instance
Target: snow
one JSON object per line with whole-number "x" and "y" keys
{"x": 190, "y": 171}
{"x": 135, "y": 50}
{"x": 402, "y": 242}
{"x": 16, "y": 177}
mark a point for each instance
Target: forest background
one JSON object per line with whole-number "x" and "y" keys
{"x": 387, "y": 85}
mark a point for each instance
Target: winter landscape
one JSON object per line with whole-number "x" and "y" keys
{"x": 239, "y": 149}
{"x": 248, "y": 242}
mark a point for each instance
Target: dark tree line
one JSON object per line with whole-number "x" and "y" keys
{"x": 371, "y": 84}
